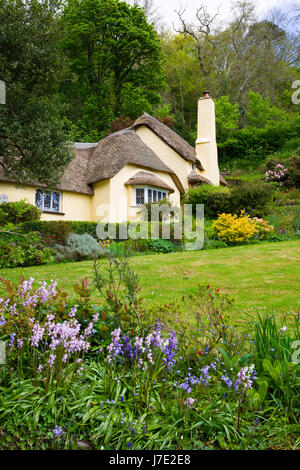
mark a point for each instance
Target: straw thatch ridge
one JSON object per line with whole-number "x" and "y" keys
{"x": 143, "y": 177}
{"x": 170, "y": 137}
{"x": 118, "y": 150}
{"x": 195, "y": 178}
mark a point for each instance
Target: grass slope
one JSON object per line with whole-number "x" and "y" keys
{"x": 258, "y": 276}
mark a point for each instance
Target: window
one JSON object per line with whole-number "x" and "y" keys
{"x": 146, "y": 195}
{"x": 140, "y": 196}
{"x": 47, "y": 201}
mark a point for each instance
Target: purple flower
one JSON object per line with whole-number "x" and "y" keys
{"x": 57, "y": 431}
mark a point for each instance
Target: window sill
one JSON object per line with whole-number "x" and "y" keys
{"x": 53, "y": 212}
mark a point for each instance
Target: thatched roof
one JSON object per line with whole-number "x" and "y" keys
{"x": 74, "y": 178}
{"x": 94, "y": 162}
{"x": 223, "y": 181}
{"x": 196, "y": 178}
{"x": 170, "y": 137}
{"x": 143, "y": 177}
{"x": 120, "y": 149}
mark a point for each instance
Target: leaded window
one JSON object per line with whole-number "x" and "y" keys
{"x": 140, "y": 196}
{"x": 48, "y": 201}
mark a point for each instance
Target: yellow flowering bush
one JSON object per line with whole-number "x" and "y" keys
{"x": 232, "y": 228}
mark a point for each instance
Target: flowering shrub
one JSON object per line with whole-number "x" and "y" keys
{"x": 233, "y": 229}
{"x": 279, "y": 174}
{"x": 263, "y": 227}
{"x": 44, "y": 335}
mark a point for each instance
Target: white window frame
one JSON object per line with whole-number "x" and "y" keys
{"x": 51, "y": 209}
{"x": 146, "y": 189}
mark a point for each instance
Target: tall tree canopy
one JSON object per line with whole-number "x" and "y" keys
{"x": 116, "y": 62}
{"x": 33, "y": 139}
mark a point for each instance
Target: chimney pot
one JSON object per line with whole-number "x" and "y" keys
{"x": 206, "y": 94}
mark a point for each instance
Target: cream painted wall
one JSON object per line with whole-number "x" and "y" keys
{"x": 100, "y": 202}
{"x": 75, "y": 206}
{"x": 122, "y": 197}
{"x": 172, "y": 159}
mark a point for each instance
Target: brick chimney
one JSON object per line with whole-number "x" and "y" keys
{"x": 206, "y": 145}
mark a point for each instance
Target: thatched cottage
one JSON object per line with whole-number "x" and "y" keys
{"x": 111, "y": 179}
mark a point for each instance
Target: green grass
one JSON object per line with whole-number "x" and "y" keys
{"x": 263, "y": 276}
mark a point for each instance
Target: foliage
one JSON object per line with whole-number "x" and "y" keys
{"x": 34, "y": 140}
{"x": 294, "y": 171}
{"x": 161, "y": 246}
{"x": 22, "y": 250}
{"x": 116, "y": 61}
{"x": 119, "y": 288}
{"x": 275, "y": 348}
{"x": 18, "y": 212}
{"x": 227, "y": 117}
{"x": 145, "y": 385}
{"x": 233, "y": 229}
{"x": 260, "y": 113}
{"x": 78, "y": 248}
{"x": 215, "y": 199}
{"x": 59, "y": 229}
{"x": 250, "y": 147}
{"x": 254, "y": 198}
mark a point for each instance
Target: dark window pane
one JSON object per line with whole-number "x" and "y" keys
{"x": 159, "y": 195}
{"x": 149, "y": 195}
{"x": 164, "y": 195}
{"x": 55, "y": 202}
{"x": 154, "y": 196}
{"x": 39, "y": 199}
{"x": 140, "y": 198}
{"x": 47, "y": 201}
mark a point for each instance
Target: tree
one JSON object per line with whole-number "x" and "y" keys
{"x": 260, "y": 113}
{"x": 151, "y": 11}
{"x": 116, "y": 60}
{"x": 34, "y": 143}
{"x": 227, "y": 116}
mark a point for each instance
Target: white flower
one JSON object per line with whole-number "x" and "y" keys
{"x": 283, "y": 329}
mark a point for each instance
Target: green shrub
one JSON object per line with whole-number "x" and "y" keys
{"x": 293, "y": 165}
{"x": 22, "y": 250}
{"x": 18, "y": 212}
{"x": 215, "y": 199}
{"x": 79, "y": 248}
{"x": 255, "y": 198}
{"x": 161, "y": 246}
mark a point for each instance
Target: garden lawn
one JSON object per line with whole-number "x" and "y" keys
{"x": 263, "y": 276}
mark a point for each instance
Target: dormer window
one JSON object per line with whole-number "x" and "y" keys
{"x": 146, "y": 195}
